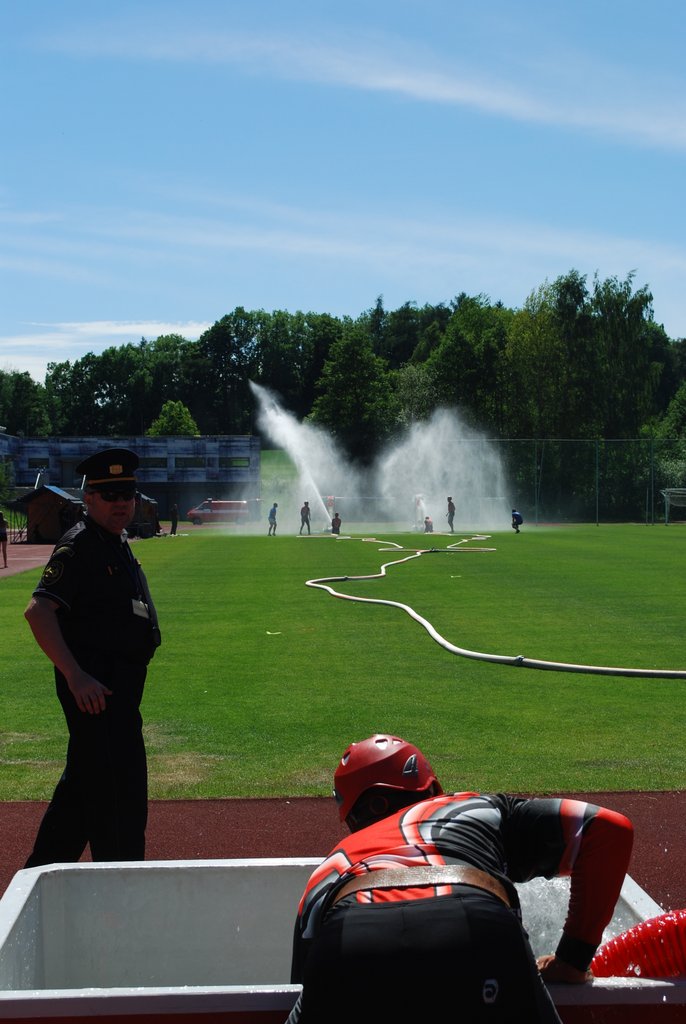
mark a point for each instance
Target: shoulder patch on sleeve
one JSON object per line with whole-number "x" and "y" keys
{"x": 51, "y": 574}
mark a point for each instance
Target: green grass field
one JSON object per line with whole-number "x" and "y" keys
{"x": 261, "y": 681}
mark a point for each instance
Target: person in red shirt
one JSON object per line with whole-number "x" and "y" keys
{"x": 416, "y": 911}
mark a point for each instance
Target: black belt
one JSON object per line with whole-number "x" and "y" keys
{"x": 424, "y": 874}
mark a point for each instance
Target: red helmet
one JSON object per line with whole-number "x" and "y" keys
{"x": 380, "y": 761}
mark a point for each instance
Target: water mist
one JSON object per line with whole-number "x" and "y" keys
{"x": 409, "y": 480}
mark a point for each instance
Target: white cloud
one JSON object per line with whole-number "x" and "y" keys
{"x": 43, "y": 343}
{"x": 104, "y": 329}
{"x": 598, "y": 98}
{"x": 376, "y": 240}
{"x": 113, "y": 243}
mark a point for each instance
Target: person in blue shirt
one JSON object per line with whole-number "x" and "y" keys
{"x": 272, "y": 520}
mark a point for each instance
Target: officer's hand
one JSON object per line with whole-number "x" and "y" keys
{"x": 88, "y": 693}
{"x": 552, "y": 969}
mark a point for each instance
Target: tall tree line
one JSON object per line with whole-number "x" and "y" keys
{"x": 576, "y": 361}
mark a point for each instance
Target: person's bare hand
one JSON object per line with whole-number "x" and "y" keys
{"x": 552, "y": 969}
{"x": 89, "y": 694}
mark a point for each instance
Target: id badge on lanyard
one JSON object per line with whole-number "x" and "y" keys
{"x": 140, "y": 608}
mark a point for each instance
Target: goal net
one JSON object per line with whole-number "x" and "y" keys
{"x": 675, "y": 500}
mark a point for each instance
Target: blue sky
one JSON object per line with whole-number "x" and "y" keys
{"x": 163, "y": 162}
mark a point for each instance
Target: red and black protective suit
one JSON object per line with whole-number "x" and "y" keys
{"x": 454, "y": 952}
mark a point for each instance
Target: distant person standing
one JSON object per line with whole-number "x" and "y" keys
{"x": 305, "y": 517}
{"x": 271, "y": 518}
{"x": 451, "y": 514}
{"x": 517, "y": 520}
{"x": 174, "y": 519}
{"x": 428, "y": 524}
{"x": 336, "y": 523}
{"x": 3, "y": 538}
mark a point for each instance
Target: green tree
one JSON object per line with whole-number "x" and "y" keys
{"x": 160, "y": 375}
{"x": 624, "y": 333}
{"x": 467, "y": 363}
{"x": 534, "y": 357}
{"x": 23, "y": 404}
{"x": 416, "y": 393}
{"x": 433, "y": 321}
{"x": 587, "y": 365}
{"x": 407, "y": 333}
{"x": 376, "y": 320}
{"x": 120, "y": 391}
{"x": 174, "y": 420}
{"x": 279, "y": 355}
{"x": 6, "y": 481}
{"x": 666, "y": 354}
{"x": 554, "y": 367}
{"x": 290, "y": 354}
{"x": 401, "y": 335}
{"x": 71, "y": 390}
{"x": 356, "y": 401}
{"x": 321, "y": 332}
{"x": 673, "y": 423}
{"x": 229, "y": 349}
{"x": 570, "y": 363}
{"x": 581, "y": 365}
{"x": 484, "y": 328}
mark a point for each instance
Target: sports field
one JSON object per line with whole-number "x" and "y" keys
{"x": 262, "y": 680}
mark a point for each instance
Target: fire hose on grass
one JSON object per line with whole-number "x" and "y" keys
{"x": 515, "y": 661}
{"x": 652, "y": 949}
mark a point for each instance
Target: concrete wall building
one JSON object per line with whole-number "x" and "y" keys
{"x": 173, "y": 470}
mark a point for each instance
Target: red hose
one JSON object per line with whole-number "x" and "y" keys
{"x": 652, "y": 949}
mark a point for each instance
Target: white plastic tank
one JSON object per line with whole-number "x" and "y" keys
{"x": 163, "y": 938}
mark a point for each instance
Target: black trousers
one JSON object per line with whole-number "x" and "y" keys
{"x": 101, "y": 799}
{"x": 459, "y": 958}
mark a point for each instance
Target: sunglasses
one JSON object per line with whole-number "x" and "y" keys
{"x": 112, "y": 496}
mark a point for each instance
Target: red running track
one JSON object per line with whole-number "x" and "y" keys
{"x": 309, "y": 827}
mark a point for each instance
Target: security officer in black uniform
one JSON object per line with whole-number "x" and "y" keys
{"x": 93, "y": 616}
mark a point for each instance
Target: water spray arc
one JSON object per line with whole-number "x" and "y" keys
{"x": 514, "y": 661}
{"x": 297, "y": 442}
{"x": 431, "y": 460}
